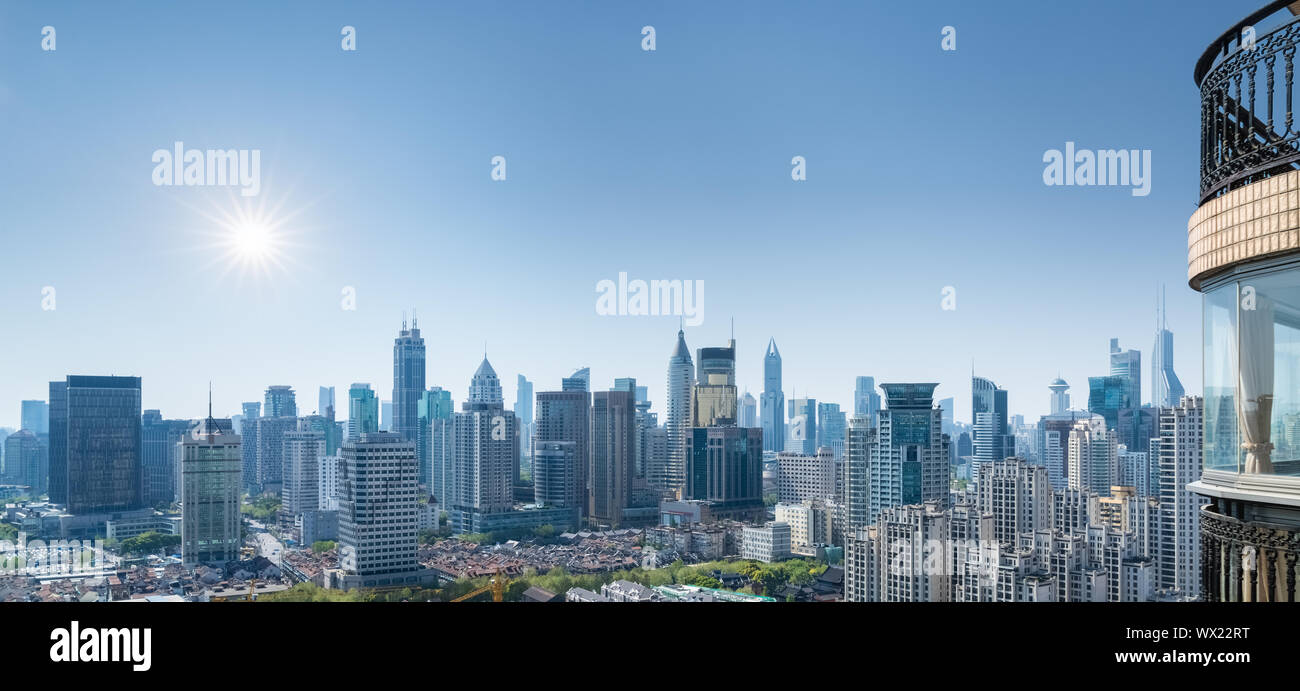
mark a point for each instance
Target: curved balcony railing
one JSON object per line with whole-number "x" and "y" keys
{"x": 1244, "y": 561}
{"x": 1249, "y": 130}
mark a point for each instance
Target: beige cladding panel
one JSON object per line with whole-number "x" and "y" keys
{"x": 1260, "y": 219}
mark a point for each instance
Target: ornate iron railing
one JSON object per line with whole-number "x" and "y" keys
{"x": 1249, "y": 129}
{"x": 1246, "y": 561}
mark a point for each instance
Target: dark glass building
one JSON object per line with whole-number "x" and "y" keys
{"x": 104, "y": 470}
{"x": 58, "y": 485}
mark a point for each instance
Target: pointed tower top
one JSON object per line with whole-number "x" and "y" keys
{"x": 771, "y": 348}
{"x": 681, "y": 352}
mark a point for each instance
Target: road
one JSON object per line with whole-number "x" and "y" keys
{"x": 267, "y": 545}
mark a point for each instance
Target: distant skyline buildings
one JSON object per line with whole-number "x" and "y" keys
{"x": 1166, "y": 387}
{"x": 280, "y": 401}
{"x": 1127, "y": 364}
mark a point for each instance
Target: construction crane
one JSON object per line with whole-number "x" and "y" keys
{"x": 497, "y": 585}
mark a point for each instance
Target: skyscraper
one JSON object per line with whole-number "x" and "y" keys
{"x": 35, "y": 417}
{"x": 1109, "y": 395}
{"x": 434, "y": 444}
{"x": 865, "y": 399}
{"x": 714, "y": 399}
{"x": 160, "y": 457}
{"x": 270, "y": 452}
{"x": 1166, "y": 389}
{"x": 681, "y": 382}
{"x": 1179, "y": 465}
{"x": 363, "y": 411}
{"x": 564, "y": 417}
{"x": 248, "y": 443}
{"x": 26, "y": 461}
{"x": 993, "y": 439}
{"x": 909, "y": 460}
{"x": 210, "y": 460}
{"x": 555, "y": 472}
{"x": 280, "y": 402}
{"x": 325, "y": 403}
{"x": 58, "y": 485}
{"x": 772, "y": 404}
{"x": 1127, "y": 364}
{"x": 524, "y": 414}
{"x": 377, "y": 512}
{"x": 801, "y": 433}
{"x": 610, "y": 473}
{"x": 860, "y": 440}
{"x": 524, "y": 400}
{"x": 408, "y": 381}
{"x": 748, "y": 410}
{"x": 831, "y": 422}
{"x": 1093, "y": 457}
{"x": 103, "y": 471}
{"x": 726, "y": 469}
{"x": 486, "y": 452}
{"x": 303, "y": 449}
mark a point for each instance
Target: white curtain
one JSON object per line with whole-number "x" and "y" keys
{"x": 1255, "y": 387}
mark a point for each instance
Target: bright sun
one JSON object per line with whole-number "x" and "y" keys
{"x": 252, "y": 240}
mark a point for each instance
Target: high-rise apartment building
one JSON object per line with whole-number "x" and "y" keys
{"x": 1181, "y": 441}
{"x": 1092, "y": 457}
{"x": 908, "y": 463}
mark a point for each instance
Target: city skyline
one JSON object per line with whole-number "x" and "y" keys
{"x": 385, "y": 200}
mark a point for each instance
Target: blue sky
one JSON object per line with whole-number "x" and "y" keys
{"x": 924, "y": 170}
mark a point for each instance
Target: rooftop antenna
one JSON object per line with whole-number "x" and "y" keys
{"x": 403, "y": 320}
{"x": 415, "y": 319}
{"x": 209, "y": 399}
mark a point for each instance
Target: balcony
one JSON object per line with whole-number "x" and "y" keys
{"x": 1246, "y": 560}
{"x": 1246, "y": 77}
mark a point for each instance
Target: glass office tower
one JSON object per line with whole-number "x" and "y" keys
{"x": 104, "y": 471}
